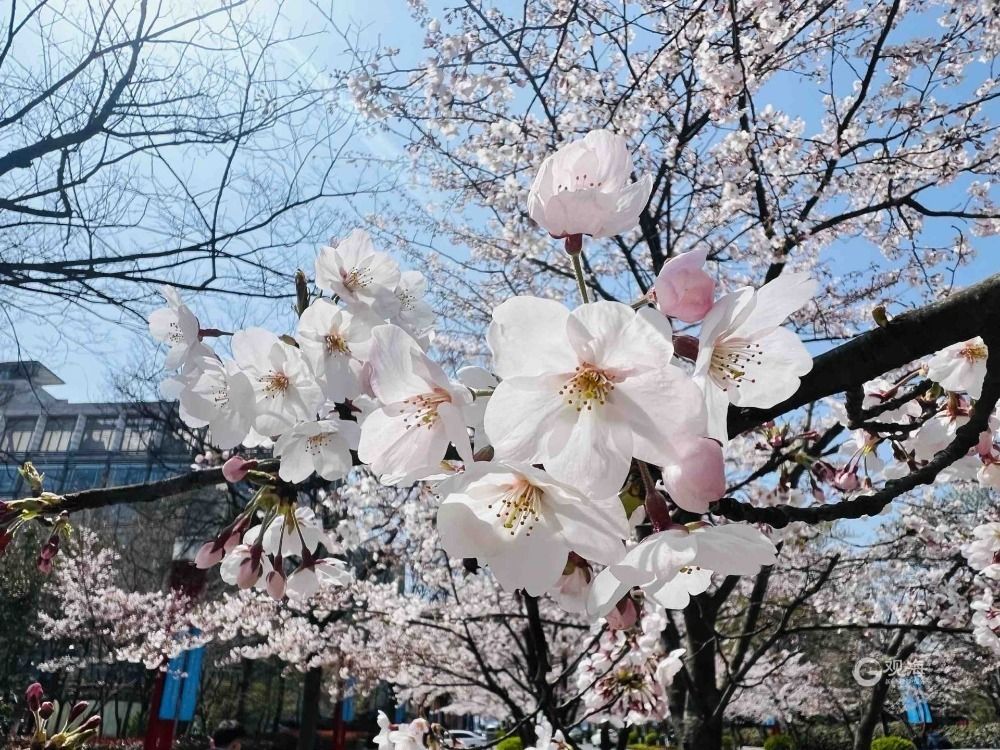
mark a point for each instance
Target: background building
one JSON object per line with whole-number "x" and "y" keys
{"x": 80, "y": 446}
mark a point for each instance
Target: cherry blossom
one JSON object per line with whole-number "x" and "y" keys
{"x": 334, "y": 340}
{"x": 311, "y": 576}
{"x": 284, "y": 385}
{"x": 523, "y": 524}
{"x": 221, "y": 397}
{"x": 358, "y": 274}
{"x": 671, "y": 565}
{"x": 411, "y": 311}
{"x": 421, "y": 412}
{"x": 583, "y": 188}
{"x": 177, "y": 327}
{"x": 983, "y": 553}
{"x": 295, "y": 531}
{"x": 960, "y": 367}
{"x": 323, "y": 447}
{"x": 745, "y": 357}
{"x": 584, "y": 391}
{"x": 246, "y": 566}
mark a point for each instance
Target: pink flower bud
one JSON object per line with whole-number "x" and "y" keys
{"x": 93, "y": 723}
{"x": 236, "y": 468}
{"x": 250, "y": 569}
{"x": 847, "y": 480}
{"x": 33, "y": 695}
{"x": 823, "y": 471}
{"x": 45, "y": 710}
{"x": 209, "y": 554}
{"x": 624, "y": 615}
{"x": 79, "y": 708}
{"x": 696, "y": 476}
{"x": 44, "y": 565}
{"x": 276, "y": 585}
{"x": 683, "y": 289}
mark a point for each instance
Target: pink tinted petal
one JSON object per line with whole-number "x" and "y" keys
{"x": 696, "y": 475}
{"x": 683, "y": 289}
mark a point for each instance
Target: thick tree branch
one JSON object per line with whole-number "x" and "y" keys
{"x": 966, "y": 437}
{"x": 910, "y": 336}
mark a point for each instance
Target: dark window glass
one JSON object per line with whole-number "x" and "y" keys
{"x": 85, "y": 477}
{"x": 127, "y": 474}
{"x": 58, "y": 431}
{"x": 8, "y": 480}
{"x": 97, "y": 434}
{"x": 17, "y": 434}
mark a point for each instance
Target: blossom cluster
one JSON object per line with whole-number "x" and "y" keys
{"x": 575, "y": 404}
{"x": 626, "y": 681}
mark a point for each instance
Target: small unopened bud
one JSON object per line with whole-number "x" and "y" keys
{"x": 79, "y": 708}
{"x": 93, "y": 723}
{"x": 880, "y": 316}
{"x": 50, "y": 549}
{"x": 847, "y": 480}
{"x": 33, "y": 696}
{"x": 236, "y": 469}
{"x": 45, "y": 710}
{"x": 276, "y": 585}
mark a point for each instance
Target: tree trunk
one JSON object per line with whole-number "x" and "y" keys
{"x": 241, "y": 698}
{"x": 703, "y": 720}
{"x": 312, "y": 687}
{"x": 279, "y": 704}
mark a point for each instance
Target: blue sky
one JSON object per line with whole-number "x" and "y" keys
{"x": 86, "y": 362}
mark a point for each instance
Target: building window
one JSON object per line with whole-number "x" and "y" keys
{"x": 128, "y": 474}
{"x": 84, "y": 477}
{"x": 58, "y": 431}
{"x": 97, "y": 433}
{"x": 17, "y": 435}
{"x": 8, "y": 481}
{"x": 138, "y": 434}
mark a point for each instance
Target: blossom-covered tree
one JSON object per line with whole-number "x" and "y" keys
{"x": 629, "y": 504}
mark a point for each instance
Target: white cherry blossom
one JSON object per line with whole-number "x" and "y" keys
{"x": 323, "y": 447}
{"x": 523, "y": 524}
{"x": 334, "y": 341}
{"x": 219, "y": 396}
{"x": 318, "y": 573}
{"x": 295, "y": 530}
{"x": 411, "y": 311}
{"x": 359, "y": 274}
{"x": 672, "y": 565}
{"x": 584, "y": 188}
{"x": 960, "y": 367}
{"x": 177, "y": 327}
{"x": 745, "y": 357}
{"x": 285, "y": 387}
{"x": 584, "y": 391}
{"x": 421, "y": 410}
